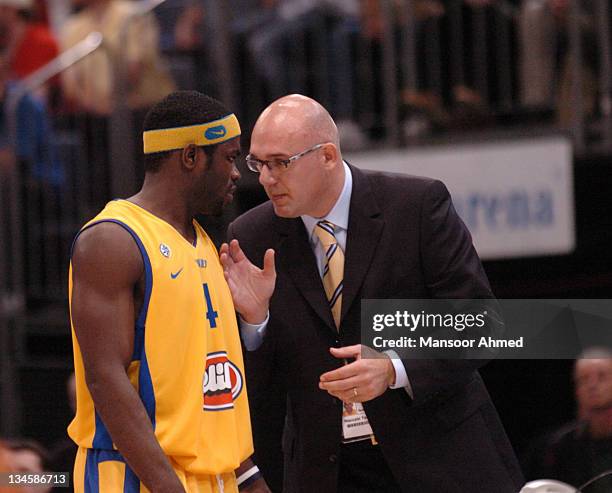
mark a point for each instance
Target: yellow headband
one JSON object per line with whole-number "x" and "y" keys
{"x": 210, "y": 133}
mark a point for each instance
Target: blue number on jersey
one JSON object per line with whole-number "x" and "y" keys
{"x": 211, "y": 314}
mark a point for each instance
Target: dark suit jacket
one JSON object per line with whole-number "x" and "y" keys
{"x": 404, "y": 240}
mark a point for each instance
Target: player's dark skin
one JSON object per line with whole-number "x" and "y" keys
{"x": 108, "y": 287}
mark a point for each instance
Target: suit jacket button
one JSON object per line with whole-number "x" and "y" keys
{"x": 333, "y": 458}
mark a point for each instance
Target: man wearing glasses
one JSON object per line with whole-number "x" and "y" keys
{"x": 340, "y": 235}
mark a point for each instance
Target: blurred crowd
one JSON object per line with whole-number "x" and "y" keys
{"x": 391, "y": 71}
{"x": 459, "y": 62}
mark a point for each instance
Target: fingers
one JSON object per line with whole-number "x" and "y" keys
{"x": 269, "y": 263}
{"x": 369, "y": 377}
{"x": 347, "y": 351}
{"x": 346, "y": 371}
{"x": 344, "y": 395}
{"x": 224, "y": 255}
{"x": 236, "y": 252}
{"x": 225, "y": 258}
{"x": 343, "y": 385}
{"x": 352, "y": 395}
{"x": 226, "y": 262}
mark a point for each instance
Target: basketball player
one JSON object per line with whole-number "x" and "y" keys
{"x": 161, "y": 397}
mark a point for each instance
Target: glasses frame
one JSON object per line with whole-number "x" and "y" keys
{"x": 256, "y": 165}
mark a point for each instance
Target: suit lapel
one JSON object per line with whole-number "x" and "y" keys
{"x": 364, "y": 232}
{"x": 297, "y": 258}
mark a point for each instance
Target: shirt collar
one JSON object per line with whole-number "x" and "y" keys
{"x": 339, "y": 214}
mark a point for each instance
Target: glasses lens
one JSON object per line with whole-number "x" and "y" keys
{"x": 253, "y": 164}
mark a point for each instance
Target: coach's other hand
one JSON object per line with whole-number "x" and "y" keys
{"x": 369, "y": 376}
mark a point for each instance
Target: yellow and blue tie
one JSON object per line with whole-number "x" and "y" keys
{"x": 333, "y": 272}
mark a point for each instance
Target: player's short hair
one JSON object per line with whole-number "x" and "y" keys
{"x": 181, "y": 109}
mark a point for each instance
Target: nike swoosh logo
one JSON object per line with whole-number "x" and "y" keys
{"x": 215, "y": 132}
{"x": 174, "y": 276}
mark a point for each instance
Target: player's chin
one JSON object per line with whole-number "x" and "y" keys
{"x": 215, "y": 209}
{"x": 228, "y": 199}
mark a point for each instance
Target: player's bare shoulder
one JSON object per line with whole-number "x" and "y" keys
{"x": 106, "y": 252}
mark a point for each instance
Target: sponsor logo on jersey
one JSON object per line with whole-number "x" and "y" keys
{"x": 222, "y": 382}
{"x": 165, "y": 250}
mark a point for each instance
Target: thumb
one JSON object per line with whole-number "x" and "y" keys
{"x": 347, "y": 351}
{"x": 268, "y": 265}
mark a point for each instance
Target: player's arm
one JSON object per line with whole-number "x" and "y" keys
{"x": 249, "y": 478}
{"x": 106, "y": 268}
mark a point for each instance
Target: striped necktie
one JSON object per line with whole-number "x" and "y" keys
{"x": 333, "y": 272}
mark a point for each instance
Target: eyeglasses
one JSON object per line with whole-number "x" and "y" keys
{"x": 256, "y": 165}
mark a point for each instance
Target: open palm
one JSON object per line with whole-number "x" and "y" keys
{"x": 251, "y": 287}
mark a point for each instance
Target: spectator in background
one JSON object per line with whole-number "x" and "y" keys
{"x": 171, "y": 15}
{"x": 25, "y": 43}
{"x": 90, "y": 85}
{"x": 582, "y": 449}
{"x": 6, "y": 465}
{"x": 186, "y": 31}
{"x": 279, "y": 42}
{"x": 34, "y": 148}
{"x": 28, "y": 456}
{"x": 546, "y": 61}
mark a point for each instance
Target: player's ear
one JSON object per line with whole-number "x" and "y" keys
{"x": 189, "y": 155}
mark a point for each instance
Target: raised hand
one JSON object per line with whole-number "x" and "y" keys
{"x": 251, "y": 287}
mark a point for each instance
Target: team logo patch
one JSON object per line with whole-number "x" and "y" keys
{"x": 222, "y": 382}
{"x": 165, "y": 250}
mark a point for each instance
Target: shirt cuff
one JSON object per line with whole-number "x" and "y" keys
{"x": 401, "y": 377}
{"x": 252, "y": 334}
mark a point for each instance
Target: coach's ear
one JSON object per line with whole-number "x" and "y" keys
{"x": 189, "y": 156}
{"x": 330, "y": 155}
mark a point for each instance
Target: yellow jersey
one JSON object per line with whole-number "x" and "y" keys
{"x": 187, "y": 364}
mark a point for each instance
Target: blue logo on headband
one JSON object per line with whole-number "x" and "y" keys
{"x": 215, "y": 132}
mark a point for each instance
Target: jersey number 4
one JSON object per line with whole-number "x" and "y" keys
{"x": 211, "y": 314}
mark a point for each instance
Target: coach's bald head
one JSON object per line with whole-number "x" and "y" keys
{"x": 312, "y": 183}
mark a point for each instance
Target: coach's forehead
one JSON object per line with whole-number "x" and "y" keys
{"x": 296, "y": 119}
